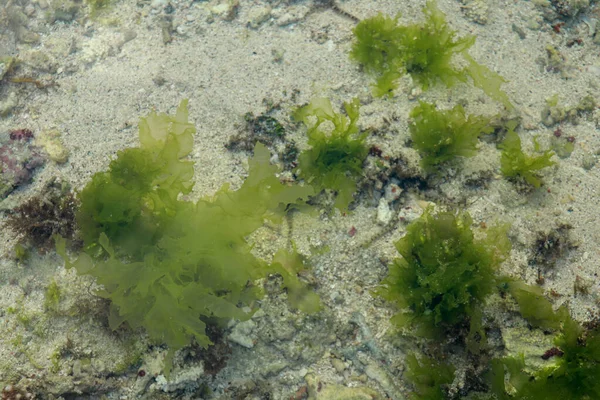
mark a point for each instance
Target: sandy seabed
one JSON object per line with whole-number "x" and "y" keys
{"x": 101, "y": 72}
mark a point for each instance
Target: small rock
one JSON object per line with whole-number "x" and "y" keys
{"x": 257, "y": 16}
{"x": 27, "y": 35}
{"x": 99, "y": 366}
{"x": 378, "y": 374}
{"x": 338, "y": 365}
{"x": 128, "y": 35}
{"x": 274, "y": 368}
{"x": 392, "y": 192}
{"x": 6, "y": 64}
{"x": 8, "y": 104}
{"x": 242, "y": 334}
{"x": 476, "y": 10}
{"x": 19, "y": 159}
{"x": 156, "y": 4}
{"x": 65, "y": 10}
{"x": 384, "y": 213}
{"x": 77, "y": 369}
{"x": 338, "y": 392}
{"x": 318, "y": 389}
{"x": 40, "y": 60}
{"x": 29, "y": 10}
{"x": 42, "y": 3}
{"x": 588, "y": 161}
{"x": 337, "y": 298}
{"x": 188, "y": 378}
{"x": 51, "y": 142}
{"x": 290, "y": 15}
{"x": 409, "y": 214}
{"x": 226, "y": 10}
{"x": 283, "y": 331}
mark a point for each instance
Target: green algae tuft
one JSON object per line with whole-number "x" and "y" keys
{"x": 425, "y": 51}
{"x": 172, "y": 266}
{"x": 336, "y": 157}
{"x": 441, "y": 136}
{"x": 444, "y": 275}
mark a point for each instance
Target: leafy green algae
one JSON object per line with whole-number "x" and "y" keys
{"x": 335, "y": 159}
{"x": 571, "y": 373}
{"x": 441, "y": 136}
{"x": 426, "y": 50}
{"x": 169, "y": 265}
{"x": 429, "y": 377}
{"x": 514, "y": 163}
{"x": 533, "y": 306}
{"x": 444, "y": 275}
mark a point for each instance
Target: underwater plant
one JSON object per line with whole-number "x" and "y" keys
{"x": 424, "y": 50}
{"x": 172, "y": 266}
{"x": 335, "y": 159}
{"x": 444, "y": 275}
{"x": 138, "y": 194}
{"x": 42, "y": 216}
{"x": 20, "y": 157}
{"x": 532, "y": 304}
{"x": 571, "y": 371}
{"x": 262, "y": 128}
{"x": 514, "y": 163}
{"x": 441, "y": 136}
{"x": 428, "y": 376}
{"x": 97, "y": 6}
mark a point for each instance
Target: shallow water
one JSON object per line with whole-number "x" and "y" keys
{"x": 82, "y": 78}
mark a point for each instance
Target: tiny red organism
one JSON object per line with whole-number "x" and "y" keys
{"x": 11, "y": 392}
{"x": 555, "y": 351}
{"x": 375, "y": 151}
{"x": 21, "y": 134}
{"x": 558, "y": 132}
{"x": 571, "y": 139}
{"x": 352, "y": 232}
{"x": 300, "y": 394}
{"x": 141, "y": 373}
{"x": 556, "y": 27}
{"x": 19, "y": 157}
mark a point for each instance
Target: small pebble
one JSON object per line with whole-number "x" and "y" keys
{"x": 29, "y": 10}
{"x": 158, "y": 4}
{"x": 338, "y": 365}
{"x": 392, "y": 192}
{"x": 384, "y": 214}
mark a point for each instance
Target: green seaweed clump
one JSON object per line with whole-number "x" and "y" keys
{"x": 428, "y": 377}
{"x": 425, "y": 50}
{"x": 132, "y": 201}
{"x": 52, "y": 296}
{"x": 532, "y": 304}
{"x": 97, "y": 6}
{"x": 554, "y": 113}
{"x": 444, "y": 275}
{"x": 263, "y": 128}
{"x": 514, "y": 163}
{"x": 441, "y": 136}
{"x": 338, "y": 151}
{"x": 288, "y": 264}
{"x": 172, "y": 266}
{"x": 571, "y": 374}
{"x": 39, "y": 218}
